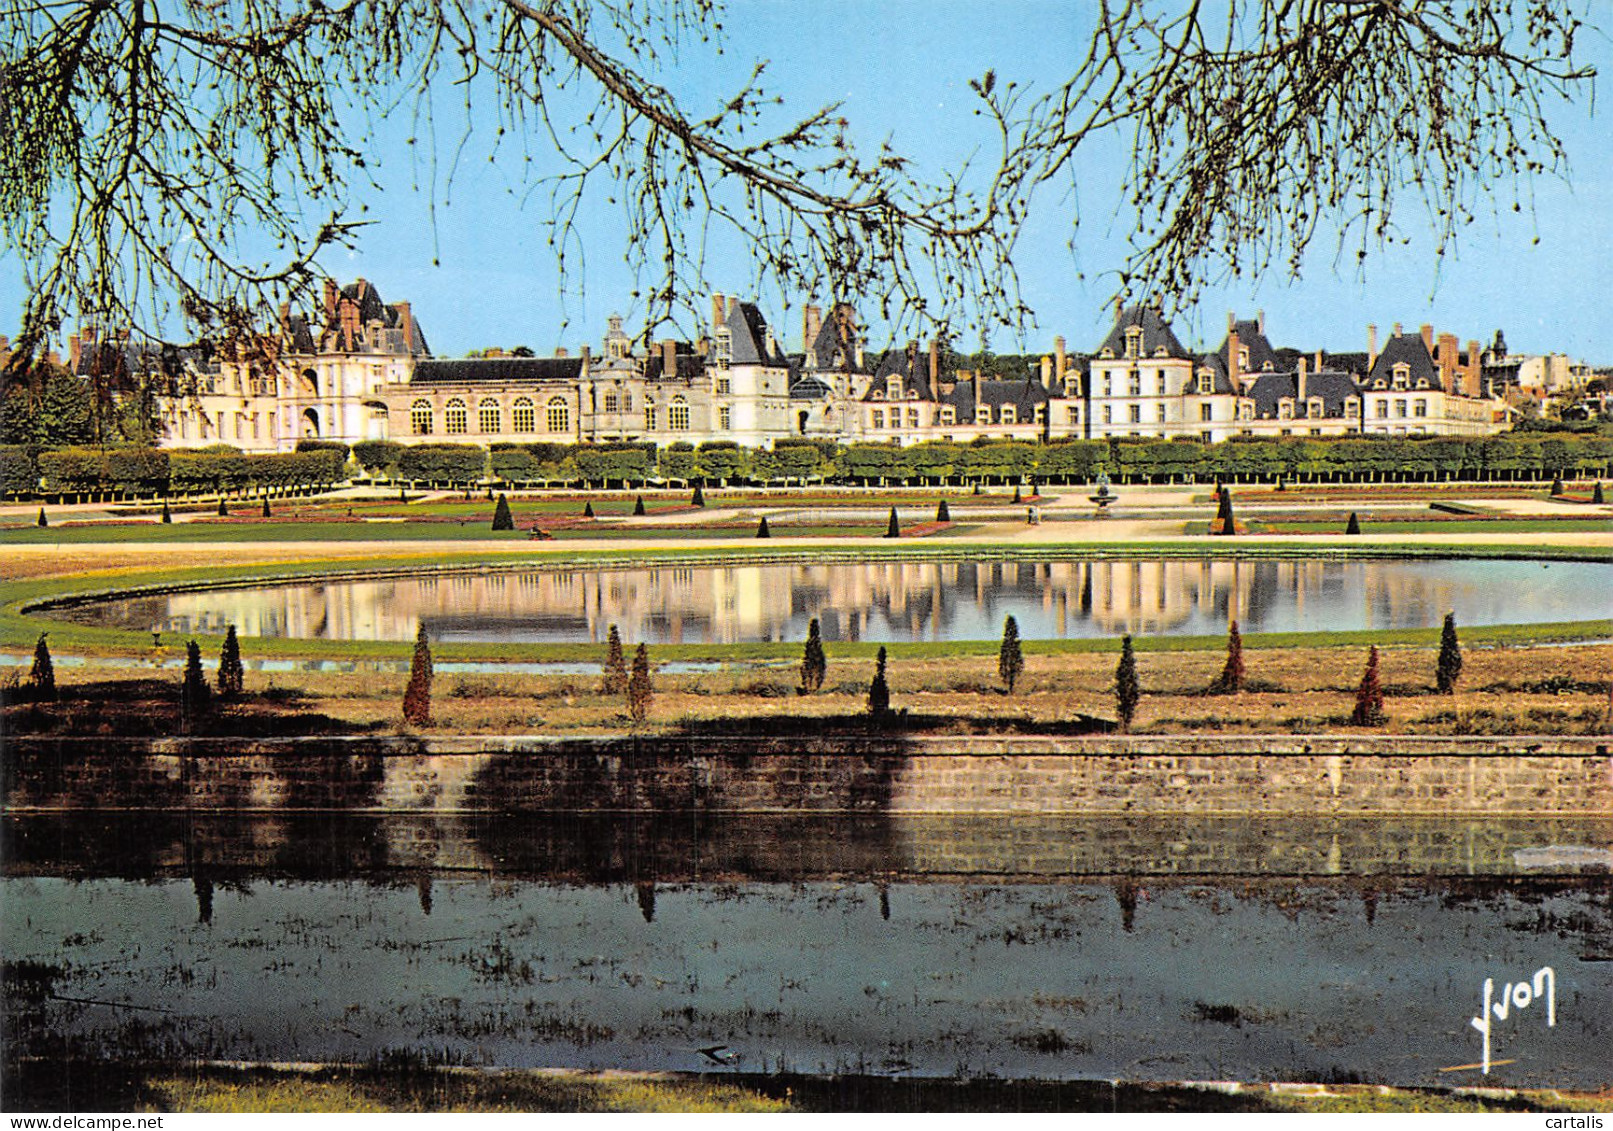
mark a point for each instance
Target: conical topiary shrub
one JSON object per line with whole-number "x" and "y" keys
{"x": 814, "y": 664}
{"x": 1369, "y": 696}
{"x": 1449, "y": 667}
{"x": 1596, "y": 497}
{"x": 417, "y": 696}
{"x": 1230, "y": 681}
{"x": 638, "y": 506}
{"x": 894, "y": 529}
{"x": 588, "y": 510}
{"x": 1557, "y": 486}
{"x": 42, "y": 676}
{"x": 640, "y": 691}
{"x": 942, "y": 512}
{"x": 502, "y": 518}
{"x": 1017, "y": 497}
{"x": 1229, "y": 525}
{"x": 45, "y": 522}
{"x": 1010, "y": 658}
{"x": 1128, "y": 688}
{"x": 193, "y": 693}
{"x": 267, "y": 513}
{"x": 879, "y": 691}
{"x": 231, "y": 675}
{"x": 614, "y": 681}
{"x": 698, "y": 499}
{"x": 167, "y": 515}
{"x": 1354, "y": 525}
{"x": 761, "y": 529}
{"x": 223, "y": 511}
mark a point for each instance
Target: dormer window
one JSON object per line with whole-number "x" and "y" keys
{"x": 1243, "y": 358}
{"x": 1352, "y": 406}
{"x": 1106, "y": 354}
{"x": 1161, "y": 351}
{"x": 1285, "y": 409}
{"x": 1206, "y": 381}
{"x": 984, "y": 416}
{"x": 893, "y": 388}
{"x": 1008, "y": 414}
{"x": 1134, "y": 341}
{"x": 1246, "y": 410}
{"x": 1401, "y": 375}
{"x": 949, "y": 415}
{"x": 912, "y": 394}
{"x": 1313, "y": 407}
{"x": 722, "y": 346}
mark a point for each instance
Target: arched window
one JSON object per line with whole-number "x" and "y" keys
{"x": 678, "y": 415}
{"x": 488, "y": 417}
{"x": 455, "y": 417}
{"x": 558, "y": 415}
{"x": 420, "y": 417}
{"x": 525, "y": 417}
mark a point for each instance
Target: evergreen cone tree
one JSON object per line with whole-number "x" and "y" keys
{"x": 193, "y": 693}
{"x": 894, "y": 530}
{"x": 42, "y": 676}
{"x": 223, "y": 511}
{"x": 1128, "y": 690}
{"x": 1449, "y": 668}
{"x": 698, "y": 499}
{"x": 814, "y": 664}
{"x": 1596, "y": 497}
{"x": 231, "y": 676}
{"x": 615, "y": 678}
{"x": 167, "y": 515}
{"x": 1557, "y": 486}
{"x": 761, "y": 529}
{"x": 417, "y": 696}
{"x": 1231, "y": 677}
{"x": 942, "y": 512}
{"x": 1016, "y": 493}
{"x": 638, "y": 506}
{"x": 44, "y": 522}
{"x": 1010, "y": 660}
{"x": 1369, "y": 696}
{"x": 267, "y": 513}
{"x": 502, "y": 518}
{"x": 639, "y": 689}
{"x": 879, "y": 691}
{"x": 588, "y": 510}
{"x": 1354, "y": 525}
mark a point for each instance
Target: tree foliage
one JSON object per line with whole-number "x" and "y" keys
{"x": 614, "y": 680}
{"x": 194, "y": 696}
{"x": 879, "y": 690}
{"x": 194, "y": 157}
{"x": 814, "y": 664}
{"x": 640, "y": 690}
{"x": 42, "y": 675}
{"x": 1128, "y": 689}
{"x": 1230, "y": 681}
{"x": 1369, "y": 695}
{"x": 1448, "y": 669}
{"x": 417, "y": 695}
{"x": 231, "y": 675}
{"x": 1010, "y": 659}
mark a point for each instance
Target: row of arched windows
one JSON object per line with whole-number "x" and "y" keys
{"x": 489, "y": 416}
{"x": 524, "y": 416}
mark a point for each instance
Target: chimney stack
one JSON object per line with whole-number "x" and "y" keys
{"x": 1299, "y": 382}
{"x": 1394, "y": 331}
{"x": 1260, "y": 321}
{"x": 719, "y": 308}
{"x": 406, "y": 324}
{"x": 1061, "y": 363}
{"x": 330, "y": 300}
{"x": 562, "y": 351}
{"x": 1447, "y": 362}
{"x": 1372, "y": 346}
{"x": 811, "y": 324}
{"x": 935, "y": 362}
{"x": 1427, "y": 332}
{"x": 587, "y": 357}
{"x": 73, "y": 348}
{"x": 1234, "y": 370}
{"x": 1047, "y": 371}
{"x": 669, "y": 359}
{"x": 733, "y": 306}
{"x": 1472, "y": 375}
{"x": 1232, "y": 321}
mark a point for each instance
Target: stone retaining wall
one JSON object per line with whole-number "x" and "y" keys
{"x": 1346, "y": 776}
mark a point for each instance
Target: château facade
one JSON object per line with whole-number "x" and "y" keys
{"x": 362, "y": 370}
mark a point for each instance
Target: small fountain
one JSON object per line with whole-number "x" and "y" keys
{"x": 1104, "y": 496}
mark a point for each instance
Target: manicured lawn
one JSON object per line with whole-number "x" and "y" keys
{"x": 1440, "y": 526}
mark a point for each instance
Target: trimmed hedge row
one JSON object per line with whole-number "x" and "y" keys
{"x": 153, "y": 471}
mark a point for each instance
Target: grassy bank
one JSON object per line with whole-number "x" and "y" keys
{"x": 335, "y": 1089}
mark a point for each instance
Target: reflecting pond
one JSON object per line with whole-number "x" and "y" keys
{"x": 888, "y": 601}
{"x": 1318, "y": 950}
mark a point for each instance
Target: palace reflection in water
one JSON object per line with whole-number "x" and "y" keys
{"x": 888, "y": 601}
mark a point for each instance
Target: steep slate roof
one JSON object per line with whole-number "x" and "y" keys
{"x": 371, "y": 309}
{"x": 1217, "y": 364}
{"x": 1023, "y": 395}
{"x": 1262, "y": 358}
{"x": 1157, "y": 333}
{"x": 1332, "y": 388}
{"x": 1407, "y": 348}
{"x": 748, "y": 337}
{"x": 496, "y": 370}
{"x": 838, "y": 335}
{"x": 911, "y": 364}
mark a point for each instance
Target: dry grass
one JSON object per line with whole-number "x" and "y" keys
{"x": 1560, "y": 690}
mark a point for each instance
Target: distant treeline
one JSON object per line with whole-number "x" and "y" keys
{"x": 146, "y": 471}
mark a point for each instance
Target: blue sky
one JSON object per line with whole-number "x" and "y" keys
{"x": 901, "y": 68}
